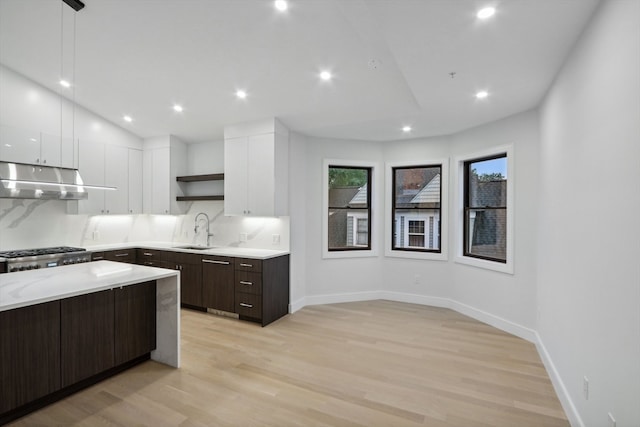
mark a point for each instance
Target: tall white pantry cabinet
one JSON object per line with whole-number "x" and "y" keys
{"x": 256, "y": 169}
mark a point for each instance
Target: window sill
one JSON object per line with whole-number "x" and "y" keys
{"x": 349, "y": 254}
{"x": 486, "y": 264}
{"x": 432, "y": 256}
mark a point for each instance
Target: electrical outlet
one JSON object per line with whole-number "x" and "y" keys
{"x": 585, "y": 388}
{"x": 612, "y": 421}
{"x": 96, "y": 235}
{"x": 243, "y": 237}
{"x": 416, "y": 279}
{"x": 275, "y": 239}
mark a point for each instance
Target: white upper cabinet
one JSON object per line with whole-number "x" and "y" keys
{"x": 256, "y": 157}
{"x": 36, "y": 148}
{"x": 111, "y": 166}
{"x": 135, "y": 181}
{"x": 164, "y": 158}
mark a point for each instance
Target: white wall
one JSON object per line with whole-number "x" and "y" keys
{"x": 589, "y": 263}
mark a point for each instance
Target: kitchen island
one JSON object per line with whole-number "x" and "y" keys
{"x": 65, "y": 328}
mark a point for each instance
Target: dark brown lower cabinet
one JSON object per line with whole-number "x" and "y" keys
{"x": 190, "y": 276}
{"x": 29, "y": 354}
{"x": 135, "y": 321}
{"x": 87, "y": 336}
{"x": 218, "y": 283}
{"x": 50, "y": 350}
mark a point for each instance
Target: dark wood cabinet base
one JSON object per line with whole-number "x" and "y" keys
{"x": 23, "y": 410}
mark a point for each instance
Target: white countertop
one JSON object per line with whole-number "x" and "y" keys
{"x": 31, "y": 287}
{"x": 175, "y": 247}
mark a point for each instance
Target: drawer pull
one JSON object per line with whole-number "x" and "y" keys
{"x": 97, "y": 258}
{"x": 212, "y": 261}
{"x": 121, "y": 255}
{"x": 242, "y": 304}
{"x": 246, "y": 265}
{"x": 242, "y": 282}
{"x": 147, "y": 254}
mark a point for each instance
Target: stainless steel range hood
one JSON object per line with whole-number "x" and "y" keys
{"x": 22, "y": 181}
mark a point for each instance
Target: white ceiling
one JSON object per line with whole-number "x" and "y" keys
{"x": 138, "y": 57}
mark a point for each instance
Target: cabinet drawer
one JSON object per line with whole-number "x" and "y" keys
{"x": 148, "y": 255}
{"x": 97, "y": 256}
{"x": 249, "y": 282}
{"x": 183, "y": 258}
{"x": 248, "y": 264}
{"x": 124, "y": 255}
{"x": 249, "y": 305}
{"x": 155, "y": 263}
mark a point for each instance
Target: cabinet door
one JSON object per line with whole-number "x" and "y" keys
{"x": 122, "y": 255}
{"x": 235, "y": 176}
{"x": 135, "y": 181}
{"x": 87, "y": 336}
{"x": 260, "y": 175}
{"x": 116, "y": 174}
{"x": 135, "y": 321}
{"x": 19, "y": 145}
{"x": 218, "y": 288}
{"x": 160, "y": 181}
{"x": 68, "y": 153}
{"x": 29, "y": 354}
{"x": 91, "y": 166}
{"x": 50, "y": 147}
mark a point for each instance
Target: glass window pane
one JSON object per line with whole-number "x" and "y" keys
{"x": 487, "y": 183}
{"x": 486, "y": 233}
{"x": 349, "y": 208}
{"x": 416, "y": 210}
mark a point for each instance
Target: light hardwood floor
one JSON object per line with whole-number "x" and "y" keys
{"x": 376, "y": 363}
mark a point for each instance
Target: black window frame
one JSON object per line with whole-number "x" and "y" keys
{"x": 394, "y": 224}
{"x": 468, "y": 208}
{"x": 368, "y": 209}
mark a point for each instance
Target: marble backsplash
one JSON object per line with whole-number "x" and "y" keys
{"x": 40, "y": 223}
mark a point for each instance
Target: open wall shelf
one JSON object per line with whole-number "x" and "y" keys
{"x": 200, "y": 178}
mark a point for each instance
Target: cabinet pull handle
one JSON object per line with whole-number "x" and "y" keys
{"x": 125, "y": 254}
{"x": 242, "y": 304}
{"x": 246, "y": 265}
{"x": 211, "y": 261}
{"x": 147, "y": 254}
{"x": 242, "y": 282}
{"x": 97, "y": 258}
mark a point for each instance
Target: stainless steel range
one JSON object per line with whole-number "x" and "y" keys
{"x": 33, "y": 259}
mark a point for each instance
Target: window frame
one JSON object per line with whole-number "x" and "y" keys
{"x": 355, "y": 251}
{"x": 462, "y": 186}
{"x": 411, "y": 252}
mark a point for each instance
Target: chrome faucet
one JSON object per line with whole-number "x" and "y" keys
{"x": 197, "y": 226}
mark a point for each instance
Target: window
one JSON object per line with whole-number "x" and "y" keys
{"x": 349, "y": 208}
{"x": 485, "y": 208}
{"x": 416, "y": 208}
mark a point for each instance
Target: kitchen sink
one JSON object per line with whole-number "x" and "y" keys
{"x": 198, "y": 248}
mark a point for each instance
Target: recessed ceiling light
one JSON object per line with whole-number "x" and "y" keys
{"x": 177, "y": 108}
{"x": 486, "y": 12}
{"x": 127, "y": 119}
{"x": 325, "y": 75}
{"x": 241, "y": 94}
{"x": 65, "y": 83}
{"x": 482, "y": 94}
{"x": 281, "y": 5}
{"x": 406, "y": 129}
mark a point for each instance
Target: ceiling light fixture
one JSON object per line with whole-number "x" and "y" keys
{"x": 482, "y": 94}
{"x": 127, "y": 119}
{"x": 486, "y": 12}
{"x": 65, "y": 83}
{"x": 177, "y": 108}
{"x": 406, "y": 129}
{"x": 241, "y": 94}
{"x": 281, "y": 5}
{"x": 325, "y": 75}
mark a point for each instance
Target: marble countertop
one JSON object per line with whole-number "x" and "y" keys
{"x": 31, "y": 287}
{"x": 177, "y": 247}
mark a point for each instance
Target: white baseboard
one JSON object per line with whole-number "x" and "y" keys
{"x": 563, "y": 395}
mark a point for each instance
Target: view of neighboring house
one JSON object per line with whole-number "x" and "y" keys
{"x": 417, "y": 212}
{"x": 487, "y": 235}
